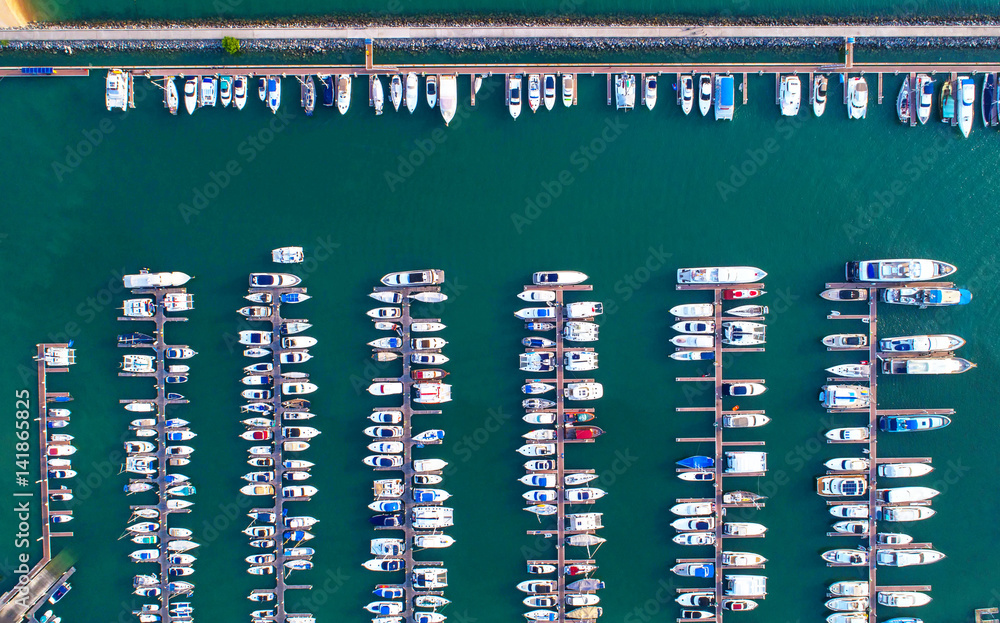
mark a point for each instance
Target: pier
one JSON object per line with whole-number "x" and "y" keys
{"x": 409, "y": 588}
{"x": 873, "y": 413}
{"x": 277, "y": 456}
{"x": 719, "y": 445}
{"x": 562, "y": 529}
{"x": 48, "y": 574}
{"x": 160, "y": 482}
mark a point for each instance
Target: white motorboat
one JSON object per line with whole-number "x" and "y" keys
{"x": 720, "y": 274}
{"x": 534, "y": 91}
{"x": 848, "y": 604}
{"x": 583, "y": 391}
{"x": 849, "y": 588}
{"x": 514, "y": 95}
{"x": 857, "y": 98}
{"x": 750, "y": 420}
{"x": 819, "y": 86}
{"x": 904, "y": 470}
{"x": 845, "y": 396}
{"x": 704, "y": 94}
{"x": 693, "y": 341}
{"x": 850, "y": 511}
{"x": 433, "y": 541}
{"x": 921, "y": 343}
{"x": 396, "y": 91}
{"x": 287, "y": 255}
{"x": 695, "y": 538}
{"x": 273, "y": 280}
{"x": 343, "y": 93}
{"x": 965, "y": 98}
{"x": 903, "y": 599}
{"x": 431, "y": 90}
{"x": 698, "y": 310}
{"x": 273, "y": 93}
{"x": 209, "y": 95}
{"x": 743, "y": 333}
{"x": 743, "y": 528}
{"x": 725, "y": 103}
{"x": 893, "y": 538}
{"x": 850, "y": 433}
{"x": 852, "y": 526}
{"x": 693, "y": 524}
{"x": 905, "y": 513}
{"x": 118, "y": 89}
{"x": 549, "y": 91}
{"x": 898, "y": 270}
{"x": 743, "y": 389}
{"x": 255, "y": 338}
{"x": 925, "y": 97}
{"x": 902, "y": 495}
{"x": 239, "y": 92}
{"x": 412, "y": 91}
{"x": 624, "y": 92}
{"x": 649, "y": 91}
{"x": 426, "y": 327}
{"x": 742, "y": 559}
{"x": 426, "y": 277}
{"x": 849, "y": 464}
{"x": 842, "y": 486}
{"x": 926, "y": 365}
{"x": 907, "y": 558}
{"x": 448, "y": 97}
{"x": 789, "y": 95}
{"x": 378, "y": 95}
{"x": 170, "y": 96}
{"x": 686, "y": 88}
{"x": 568, "y": 89}
{"x": 385, "y": 389}
{"x": 537, "y": 449}
{"x": 693, "y": 355}
{"x": 693, "y": 509}
{"x": 696, "y": 327}
{"x": 846, "y": 557}
{"x": 558, "y": 277}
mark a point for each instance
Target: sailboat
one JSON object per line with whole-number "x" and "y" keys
{"x": 377, "y": 96}
{"x": 170, "y": 98}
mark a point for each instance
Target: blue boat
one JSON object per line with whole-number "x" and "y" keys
{"x": 293, "y": 297}
{"x": 927, "y": 297}
{"x": 328, "y": 92}
{"x": 388, "y": 592}
{"x": 695, "y": 569}
{"x": 697, "y": 462}
{"x": 175, "y": 396}
{"x": 909, "y": 423}
{"x": 294, "y": 535}
{"x": 61, "y": 399}
{"x": 176, "y": 379}
{"x": 724, "y": 100}
{"x": 387, "y": 521}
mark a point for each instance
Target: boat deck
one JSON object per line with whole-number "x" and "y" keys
{"x": 160, "y": 480}
{"x": 871, "y": 444}
{"x": 719, "y": 445}
{"x": 410, "y": 592}
{"x": 561, "y": 560}
{"x": 281, "y": 574}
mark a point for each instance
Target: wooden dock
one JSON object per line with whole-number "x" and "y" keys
{"x": 719, "y": 413}
{"x": 562, "y": 531}
{"x": 873, "y": 414}
{"x": 278, "y": 456}
{"x": 160, "y": 481}
{"x": 407, "y": 409}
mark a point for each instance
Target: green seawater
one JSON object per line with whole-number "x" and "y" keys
{"x": 625, "y": 197}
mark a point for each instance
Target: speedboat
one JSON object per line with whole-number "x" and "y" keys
{"x": 902, "y": 495}
{"x": 549, "y": 90}
{"x": 693, "y": 341}
{"x": 903, "y": 599}
{"x": 903, "y": 102}
{"x": 846, "y": 557}
{"x": 904, "y": 513}
{"x": 847, "y": 465}
{"x": 852, "y": 526}
{"x": 926, "y": 365}
{"x": 412, "y": 88}
{"x": 396, "y": 91}
{"x": 743, "y": 389}
{"x": 686, "y": 88}
{"x": 921, "y": 343}
{"x": 534, "y": 91}
{"x": 904, "y": 470}
{"x": 624, "y": 92}
{"x": 431, "y": 90}
{"x": 847, "y": 341}
{"x": 558, "y": 277}
{"x": 208, "y": 91}
{"x": 925, "y": 97}
{"x": 226, "y": 90}
{"x": 857, "y": 98}
{"x": 695, "y": 327}
{"x": 273, "y": 93}
{"x": 907, "y": 558}
{"x": 344, "y": 93}
{"x": 848, "y": 604}
{"x": 698, "y": 310}
{"x": 927, "y": 297}
{"x": 850, "y": 433}
{"x": 696, "y": 599}
{"x": 898, "y": 270}
{"x": 514, "y": 95}
{"x": 378, "y": 95}
{"x": 851, "y": 370}
{"x": 695, "y": 569}
{"x": 845, "y": 294}
{"x": 693, "y": 355}
{"x": 789, "y": 95}
{"x": 649, "y": 89}
{"x": 191, "y": 94}
{"x": 819, "y": 87}
{"x": 118, "y": 89}
{"x": 845, "y": 396}
{"x": 720, "y": 274}
{"x": 704, "y": 94}
{"x": 966, "y": 97}
{"x": 239, "y": 92}
{"x": 568, "y": 89}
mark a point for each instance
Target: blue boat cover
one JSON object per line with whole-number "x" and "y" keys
{"x": 934, "y": 296}
{"x": 726, "y": 94}
{"x": 872, "y": 272}
{"x": 704, "y": 571}
{"x": 697, "y": 462}
{"x": 964, "y": 296}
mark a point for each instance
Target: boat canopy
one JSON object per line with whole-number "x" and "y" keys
{"x": 726, "y": 92}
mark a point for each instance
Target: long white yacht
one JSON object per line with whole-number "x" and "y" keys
{"x": 704, "y": 94}
{"x": 921, "y": 343}
{"x": 686, "y": 87}
{"x": 448, "y": 97}
{"x": 343, "y": 93}
{"x": 965, "y": 97}
{"x": 790, "y": 95}
{"x": 514, "y": 95}
{"x": 720, "y": 274}
{"x": 898, "y": 270}
{"x": 820, "y": 83}
{"x": 857, "y": 98}
{"x": 534, "y": 91}
{"x": 412, "y": 91}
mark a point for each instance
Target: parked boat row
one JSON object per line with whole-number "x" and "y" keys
{"x": 278, "y": 421}
{"x": 555, "y": 421}
{"x": 57, "y": 446}
{"x": 414, "y": 502}
{"x": 705, "y": 331}
{"x": 851, "y": 484}
{"x": 159, "y": 443}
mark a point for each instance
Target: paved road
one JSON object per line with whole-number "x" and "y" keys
{"x": 477, "y": 32}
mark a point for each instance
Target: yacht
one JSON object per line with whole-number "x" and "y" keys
{"x": 927, "y": 297}
{"x": 225, "y": 90}
{"x": 819, "y": 86}
{"x": 431, "y": 90}
{"x": 568, "y": 89}
{"x": 549, "y": 91}
{"x": 966, "y": 98}
{"x": 921, "y": 343}
{"x": 743, "y": 389}
{"x": 448, "y": 96}
{"x": 903, "y": 111}
{"x": 344, "y": 93}
{"x": 697, "y": 310}
{"x": 170, "y": 99}
{"x": 687, "y": 340}
{"x": 725, "y": 102}
{"x": 649, "y": 90}
{"x": 209, "y": 96}
{"x": 748, "y": 311}
{"x": 273, "y": 280}
{"x": 704, "y": 94}
{"x": 907, "y": 558}
{"x": 534, "y": 91}
{"x": 273, "y": 93}
{"x": 904, "y": 470}
{"x": 514, "y": 95}
{"x": 287, "y": 255}
{"x": 751, "y": 420}
{"x": 624, "y": 92}
{"x": 898, "y": 270}
{"x": 262, "y": 88}
{"x": 846, "y": 341}
{"x": 413, "y": 278}
{"x": 790, "y": 95}
{"x": 909, "y": 423}
{"x": 307, "y": 95}
{"x": 239, "y": 92}
{"x": 558, "y": 277}
{"x": 857, "y": 98}
{"x": 686, "y": 88}
{"x": 117, "y": 90}
{"x": 903, "y": 599}
{"x": 848, "y": 604}
{"x": 842, "y": 486}
{"x": 902, "y": 495}
{"x": 191, "y": 94}
{"x": 845, "y": 396}
{"x": 396, "y": 91}
{"x": 925, "y": 97}
{"x": 720, "y": 274}
{"x": 905, "y": 513}
{"x": 743, "y": 333}
{"x": 849, "y": 588}
{"x": 846, "y": 557}
{"x": 926, "y": 365}
{"x": 412, "y": 91}
{"x": 850, "y": 433}
{"x": 845, "y": 294}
